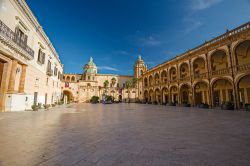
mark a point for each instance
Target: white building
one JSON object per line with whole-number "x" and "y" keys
{"x": 30, "y": 68}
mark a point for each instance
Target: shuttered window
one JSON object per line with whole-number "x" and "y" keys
{"x": 41, "y": 57}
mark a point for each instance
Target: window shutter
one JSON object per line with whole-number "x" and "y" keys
{"x": 25, "y": 39}
{"x": 43, "y": 58}
{"x": 16, "y": 33}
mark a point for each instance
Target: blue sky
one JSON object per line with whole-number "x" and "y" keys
{"x": 114, "y": 32}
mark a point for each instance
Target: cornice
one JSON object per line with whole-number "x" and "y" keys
{"x": 26, "y": 10}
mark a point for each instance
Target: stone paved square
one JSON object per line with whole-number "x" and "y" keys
{"x": 125, "y": 134}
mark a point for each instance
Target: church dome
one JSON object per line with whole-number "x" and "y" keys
{"x": 90, "y": 67}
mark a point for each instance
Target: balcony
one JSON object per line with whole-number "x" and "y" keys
{"x": 221, "y": 72}
{"x": 244, "y": 67}
{"x": 200, "y": 76}
{"x": 185, "y": 79}
{"x": 49, "y": 72}
{"x": 8, "y": 37}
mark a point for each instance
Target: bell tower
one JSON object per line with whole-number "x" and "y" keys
{"x": 139, "y": 67}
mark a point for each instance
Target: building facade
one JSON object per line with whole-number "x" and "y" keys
{"x": 215, "y": 72}
{"x": 81, "y": 87}
{"x": 30, "y": 68}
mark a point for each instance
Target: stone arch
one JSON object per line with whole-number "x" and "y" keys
{"x": 146, "y": 96}
{"x": 68, "y": 96}
{"x": 68, "y": 78}
{"x": 145, "y": 81}
{"x": 243, "y": 90}
{"x": 222, "y": 91}
{"x": 158, "y": 96}
{"x": 151, "y": 96}
{"x": 164, "y": 76}
{"x": 173, "y": 73}
{"x": 185, "y": 94}
{"x": 174, "y": 94}
{"x": 156, "y": 79}
{"x": 73, "y": 78}
{"x": 165, "y": 94}
{"x": 150, "y": 80}
{"x": 184, "y": 70}
{"x": 219, "y": 60}
{"x": 199, "y": 66}
{"x": 242, "y": 53}
{"x": 201, "y": 93}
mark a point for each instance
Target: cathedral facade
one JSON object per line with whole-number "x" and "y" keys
{"x": 81, "y": 87}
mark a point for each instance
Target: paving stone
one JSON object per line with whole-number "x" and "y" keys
{"x": 125, "y": 134}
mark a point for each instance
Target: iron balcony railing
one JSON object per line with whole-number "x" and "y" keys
{"x": 8, "y": 34}
{"x": 243, "y": 67}
{"x": 221, "y": 72}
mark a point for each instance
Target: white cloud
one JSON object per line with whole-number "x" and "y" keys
{"x": 192, "y": 25}
{"x": 121, "y": 52}
{"x": 107, "y": 68}
{"x": 149, "y": 41}
{"x": 203, "y": 4}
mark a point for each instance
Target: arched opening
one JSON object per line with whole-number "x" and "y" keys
{"x": 145, "y": 82}
{"x": 174, "y": 94}
{"x": 199, "y": 67}
{"x": 222, "y": 91}
{"x": 157, "y": 79}
{"x": 158, "y": 96}
{"x": 184, "y": 70}
{"x": 120, "y": 98}
{"x": 219, "y": 63}
{"x": 67, "y": 96}
{"x": 73, "y": 79}
{"x": 173, "y": 74}
{"x": 244, "y": 91}
{"x": 185, "y": 92}
{"x": 164, "y": 78}
{"x": 242, "y": 53}
{"x": 150, "y": 80}
{"x": 64, "y": 78}
{"x": 68, "y": 78}
{"x": 151, "y": 96}
{"x": 146, "y": 96}
{"x": 165, "y": 95}
{"x": 201, "y": 95}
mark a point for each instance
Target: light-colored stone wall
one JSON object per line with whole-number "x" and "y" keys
{"x": 28, "y": 75}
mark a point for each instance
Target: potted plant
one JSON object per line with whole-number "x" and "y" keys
{"x": 34, "y": 107}
{"x": 185, "y": 104}
{"x": 203, "y": 105}
{"x": 94, "y": 99}
{"x": 228, "y": 105}
{"x": 46, "y": 106}
{"x": 171, "y": 104}
{"x": 247, "y": 106}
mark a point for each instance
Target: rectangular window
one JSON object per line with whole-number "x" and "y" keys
{"x": 55, "y": 71}
{"x": 49, "y": 66}
{"x": 41, "y": 57}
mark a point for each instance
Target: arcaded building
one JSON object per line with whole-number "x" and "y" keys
{"x": 30, "y": 68}
{"x": 215, "y": 72}
{"x": 81, "y": 87}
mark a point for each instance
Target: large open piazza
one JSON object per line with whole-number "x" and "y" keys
{"x": 125, "y": 134}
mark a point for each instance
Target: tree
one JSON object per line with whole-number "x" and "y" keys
{"x": 134, "y": 82}
{"x": 128, "y": 86}
{"x": 113, "y": 81}
{"x": 106, "y": 83}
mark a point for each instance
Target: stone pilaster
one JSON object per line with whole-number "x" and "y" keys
{"x": 12, "y": 76}
{"x": 22, "y": 79}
